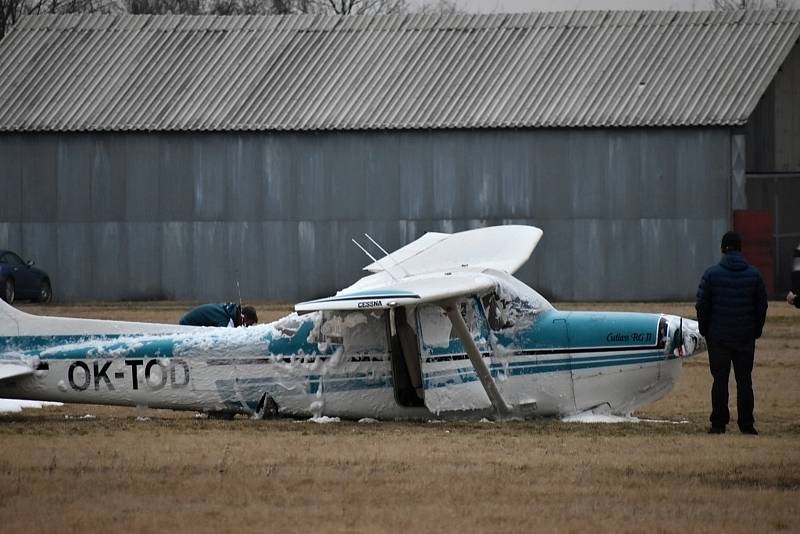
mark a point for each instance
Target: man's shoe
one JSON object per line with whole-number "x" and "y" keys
{"x": 716, "y": 430}
{"x": 749, "y": 430}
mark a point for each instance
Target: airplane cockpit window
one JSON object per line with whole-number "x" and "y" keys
{"x": 356, "y": 332}
{"x": 512, "y": 304}
{"x": 438, "y": 334}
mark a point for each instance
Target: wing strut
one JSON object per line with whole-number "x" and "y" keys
{"x": 475, "y": 357}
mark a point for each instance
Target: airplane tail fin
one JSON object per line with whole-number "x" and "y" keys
{"x": 10, "y": 318}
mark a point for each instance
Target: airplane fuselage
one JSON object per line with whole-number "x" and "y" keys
{"x": 341, "y": 365}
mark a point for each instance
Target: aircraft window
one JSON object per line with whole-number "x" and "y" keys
{"x": 435, "y": 325}
{"x": 512, "y": 304}
{"x": 438, "y": 331}
{"x": 357, "y": 332}
{"x": 497, "y": 311}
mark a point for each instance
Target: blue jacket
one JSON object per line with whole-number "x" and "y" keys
{"x": 213, "y": 315}
{"x": 731, "y": 300}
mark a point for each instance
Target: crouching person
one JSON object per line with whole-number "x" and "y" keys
{"x": 229, "y": 314}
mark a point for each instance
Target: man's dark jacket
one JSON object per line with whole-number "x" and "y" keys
{"x": 213, "y": 315}
{"x": 731, "y": 300}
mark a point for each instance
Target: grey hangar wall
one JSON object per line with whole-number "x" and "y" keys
{"x": 627, "y": 214}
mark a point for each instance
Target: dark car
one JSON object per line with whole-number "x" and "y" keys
{"x": 21, "y": 280}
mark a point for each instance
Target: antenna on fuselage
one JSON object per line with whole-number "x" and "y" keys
{"x": 387, "y": 254}
{"x": 370, "y": 256}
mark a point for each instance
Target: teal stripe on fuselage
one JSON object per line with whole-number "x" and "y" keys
{"x": 32, "y": 344}
{"x": 83, "y": 347}
{"x": 433, "y": 379}
{"x": 576, "y": 331}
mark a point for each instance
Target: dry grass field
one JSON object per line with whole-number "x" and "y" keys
{"x": 174, "y": 472}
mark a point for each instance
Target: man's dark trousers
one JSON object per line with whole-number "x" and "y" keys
{"x": 721, "y": 354}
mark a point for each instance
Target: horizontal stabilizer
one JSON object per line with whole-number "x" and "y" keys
{"x": 12, "y": 370}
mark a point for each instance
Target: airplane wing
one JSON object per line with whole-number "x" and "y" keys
{"x": 435, "y": 267}
{"x": 502, "y": 248}
{"x": 411, "y": 290}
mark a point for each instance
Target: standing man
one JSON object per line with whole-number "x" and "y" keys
{"x": 229, "y": 314}
{"x": 731, "y": 310}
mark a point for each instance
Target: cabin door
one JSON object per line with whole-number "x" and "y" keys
{"x": 405, "y": 357}
{"x": 450, "y": 382}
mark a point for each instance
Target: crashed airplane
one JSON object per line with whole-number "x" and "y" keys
{"x": 440, "y": 329}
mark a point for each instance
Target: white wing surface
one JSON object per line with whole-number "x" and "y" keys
{"x": 412, "y": 290}
{"x": 14, "y": 322}
{"x": 502, "y": 248}
{"x": 436, "y": 267}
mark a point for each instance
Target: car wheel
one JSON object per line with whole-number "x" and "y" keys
{"x": 46, "y": 292}
{"x": 8, "y": 291}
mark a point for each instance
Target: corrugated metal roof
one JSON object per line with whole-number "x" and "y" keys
{"x": 305, "y": 72}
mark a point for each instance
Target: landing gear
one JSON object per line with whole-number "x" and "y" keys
{"x": 267, "y": 408}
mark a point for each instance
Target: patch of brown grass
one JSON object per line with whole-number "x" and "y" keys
{"x": 175, "y": 472}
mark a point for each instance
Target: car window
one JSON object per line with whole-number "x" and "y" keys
{"x": 12, "y": 259}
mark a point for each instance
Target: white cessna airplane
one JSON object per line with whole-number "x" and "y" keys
{"x": 440, "y": 329}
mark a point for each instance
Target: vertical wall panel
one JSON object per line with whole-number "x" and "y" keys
{"x": 74, "y": 179}
{"x": 213, "y": 268}
{"x": 11, "y": 237}
{"x": 144, "y": 261}
{"x": 552, "y": 195}
{"x": 110, "y": 243}
{"x": 212, "y": 177}
{"x": 247, "y": 175}
{"x": 313, "y": 191}
{"x": 280, "y": 191}
{"x": 624, "y": 173}
{"x": 77, "y": 262}
{"x": 176, "y": 178}
{"x": 141, "y": 176}
{"x": 39, "y": 158}
{"x": 108, "y": 179}
{"x": 415, "y": 168}
{"x": 516, "y": 196}
{"x": 282, "y": 260}
{"x": 787, "y": 116}
{"x": 10, "y": 181}
{"x": 177, "y": 262}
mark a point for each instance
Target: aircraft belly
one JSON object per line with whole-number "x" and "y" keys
{"x": 552, "y": 392}
{"x": 539, "y": 385}
{"x": 623, "y": 388}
